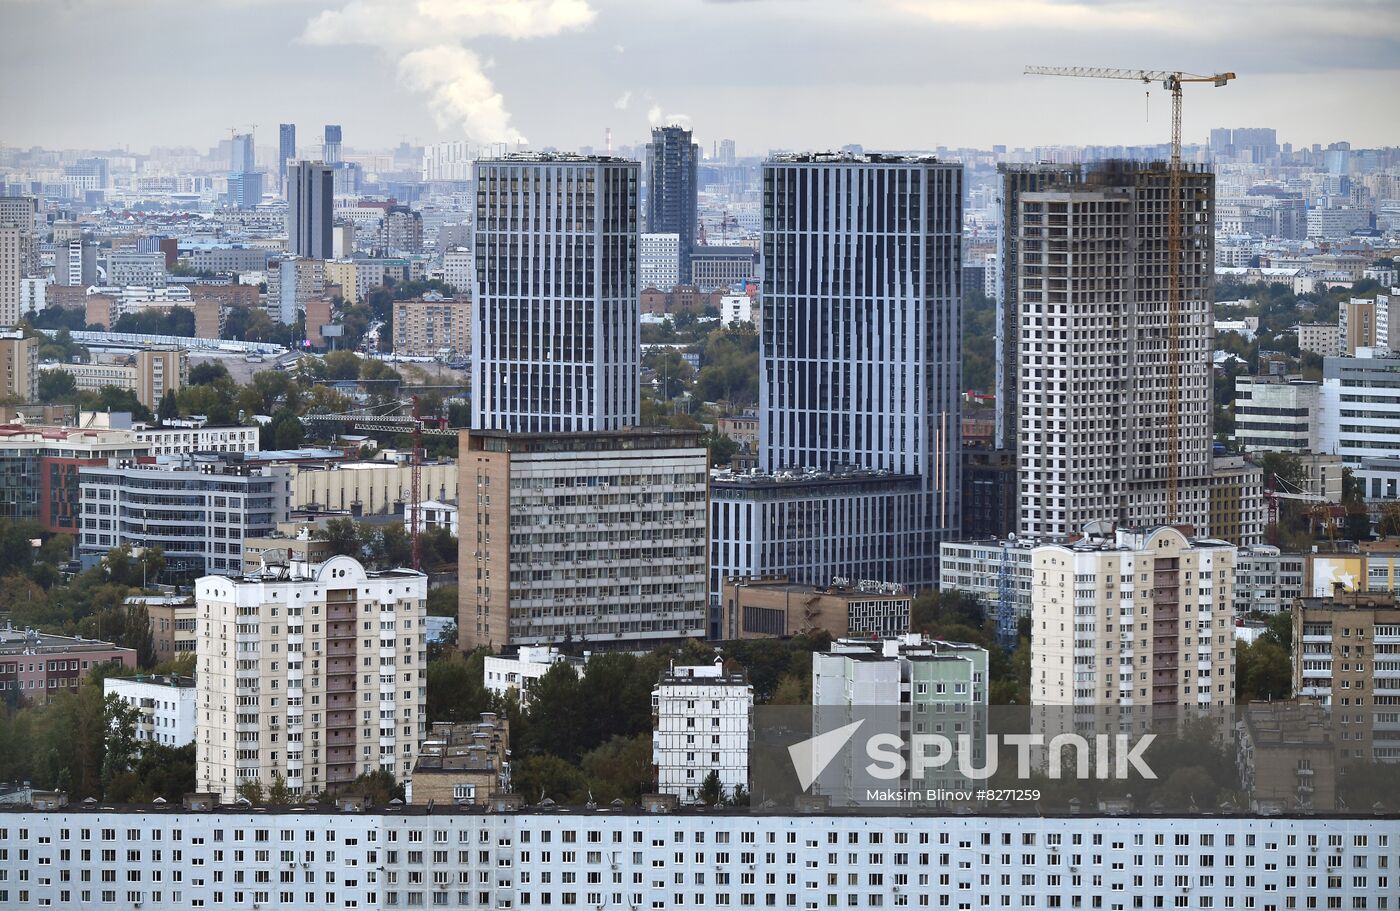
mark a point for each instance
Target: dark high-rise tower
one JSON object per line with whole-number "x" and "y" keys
{"x": 555, "y": 339}
{"x": 672, "y": 179}
{"x": 310, "y": 209}
{"x": 331, "y": 150}
{"x": 286, "y": 150}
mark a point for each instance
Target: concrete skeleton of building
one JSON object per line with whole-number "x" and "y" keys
{"x": 290, "y": 686}
{"x": 1097, "y": 436}
{"x": 165, "y": 707}
{"x": 384, "y": 857}
{"x": 1136, "y": 618}
{"x": 703, "y": 723}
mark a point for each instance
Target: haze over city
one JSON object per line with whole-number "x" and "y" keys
{"x": 898, "y": 74}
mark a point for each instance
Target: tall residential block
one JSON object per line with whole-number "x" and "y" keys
{"x": 12, "y": 246}
{"x": 1138, "y": 617}
{"x": 673, "y": 165}
{"x": 555, "y": 337}
{"x": 702, "y": 724}
{"x": 1112, "y": 402}
{"x": 310, "y": 209}
{"x": 859, "y": 406}
{"x": 19, "y": 367}
{"x": 286, "y": 151}
{"x": 313, "y": 675}
{"x": 158, "y": 371}
{"x": 433, "y": 325}
{"x": 594, "y": 537}
{"x": 1016, "y": 179}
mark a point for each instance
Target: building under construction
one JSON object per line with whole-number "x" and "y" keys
{"x": 1113, "y": 401}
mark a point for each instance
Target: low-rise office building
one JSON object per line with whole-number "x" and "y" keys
{"x": 775, "y": 607}
{"x": 197, "y": 509}
{"x": 169, "y": 441}
{"x": 37, "y": 666}
{"x": 1276, "y": 414}
{"x": 520, "y": 671}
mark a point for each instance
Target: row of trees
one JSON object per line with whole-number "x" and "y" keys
{"x": 388, "y": 545}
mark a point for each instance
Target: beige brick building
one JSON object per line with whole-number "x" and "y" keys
{"x": 315, "y": 673}
{"x": 19, "y": 374}
{"x": 764, "y": 608}
{"x": 463, "y": 763}
{"x": 601, "y": 536}
{"x": 1136, "y": 618}
{"x": 433, "y": 324}
{"x": 158, "y": 371}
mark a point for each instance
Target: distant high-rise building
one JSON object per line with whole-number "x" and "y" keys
{"x": 242, "y": 159}
{"x": 673, "y": 162}
{"x": 331, "y": 150}
{"x": 562, "y": 356}
{"x": 727, "y": 152}
{"x": 286, "y": 151}
{"x": 12, "y": 246}
{"x": 310, "y": 209}
{"x": 1097, "y": 430}
{"x": 20, "y": 213}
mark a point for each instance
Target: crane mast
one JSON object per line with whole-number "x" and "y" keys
{"x": 1172, "y": 82}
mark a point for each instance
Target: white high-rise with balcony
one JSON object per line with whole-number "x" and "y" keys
{"x": 703, "y": 718}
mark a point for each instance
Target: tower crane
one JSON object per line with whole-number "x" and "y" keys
{"x": 1172, "y": 81}
{"x": 414, "y": 424}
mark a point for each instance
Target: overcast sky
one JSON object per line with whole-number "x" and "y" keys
{"x": 895, "y": 74}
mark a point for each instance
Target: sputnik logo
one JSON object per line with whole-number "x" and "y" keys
{"x": 811, "y": 757}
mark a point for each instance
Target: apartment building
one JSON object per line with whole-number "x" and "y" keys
{"x": 673, "y": 163}
{"x": 1346, "y": 654}
{"x": 1277, "y": 414}
{"x": 36, "y": 666}
{"x": 58, "y": 856}
{"x": 658, "y": 261}
{"x": 158, "y": 371}
{"x": 996, "y": 571}
{"x": 1267, "y": 579}
{"x": 1237, "y": 509}
{"x": 165, "y": 707}
{"x": 703, "y": 722}
{"x": 172, "y": 623}
{"x": 433, "y": 325}
{"x": 19, "y": 373}
{"x": 519, "y": 672}
{"x": 1322, "y": 339}
{"x": 129, "y": 267}
{"x": 933, "y": 675}
{"x": 1134, "y": 617}
{"x": 291, "y": 282}
{"x": 597, "y": 536}
{"x": 760, "y": 608}
{"x": 197, "y": 509}
{"x": 312, "y": 673}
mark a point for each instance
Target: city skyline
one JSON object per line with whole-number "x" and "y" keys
{"x": 911, "y": 74}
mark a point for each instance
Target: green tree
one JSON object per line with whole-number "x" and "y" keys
{"x": 57, "y": 386}
{"x": 120, "y": 747}
{"x": 1263, "y": 670}
{"x": 621, "y": 768}
{"x": 378, "y": 788}
{"x": 342, "y": 365}
{"x": 721, "y": 447}
{"x": 457, "y": 686}
{"x": 674, "y": 374}
{"x": 168, "y": 409}
{"x": 342, "y": 536}
{"x": 710, "y": 789}
{"x": 278, "y": 794}
{"x": 442, "y": 601}
{"x": 284, "y": 431}
{"x": 538, "y": 777}
{"x": 250, "y": 790}
{"x": 137, "y": 634}
{"x": 557, "y": 720}
{"x": 208, "y": 372}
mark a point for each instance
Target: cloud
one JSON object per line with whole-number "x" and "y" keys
{"x": 624, "y": 101}
{"x": 458, "y": 92}
{"x": 428, "y": 40}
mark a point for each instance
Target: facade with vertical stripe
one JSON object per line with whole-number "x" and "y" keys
{"x": 555, "y": 324}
